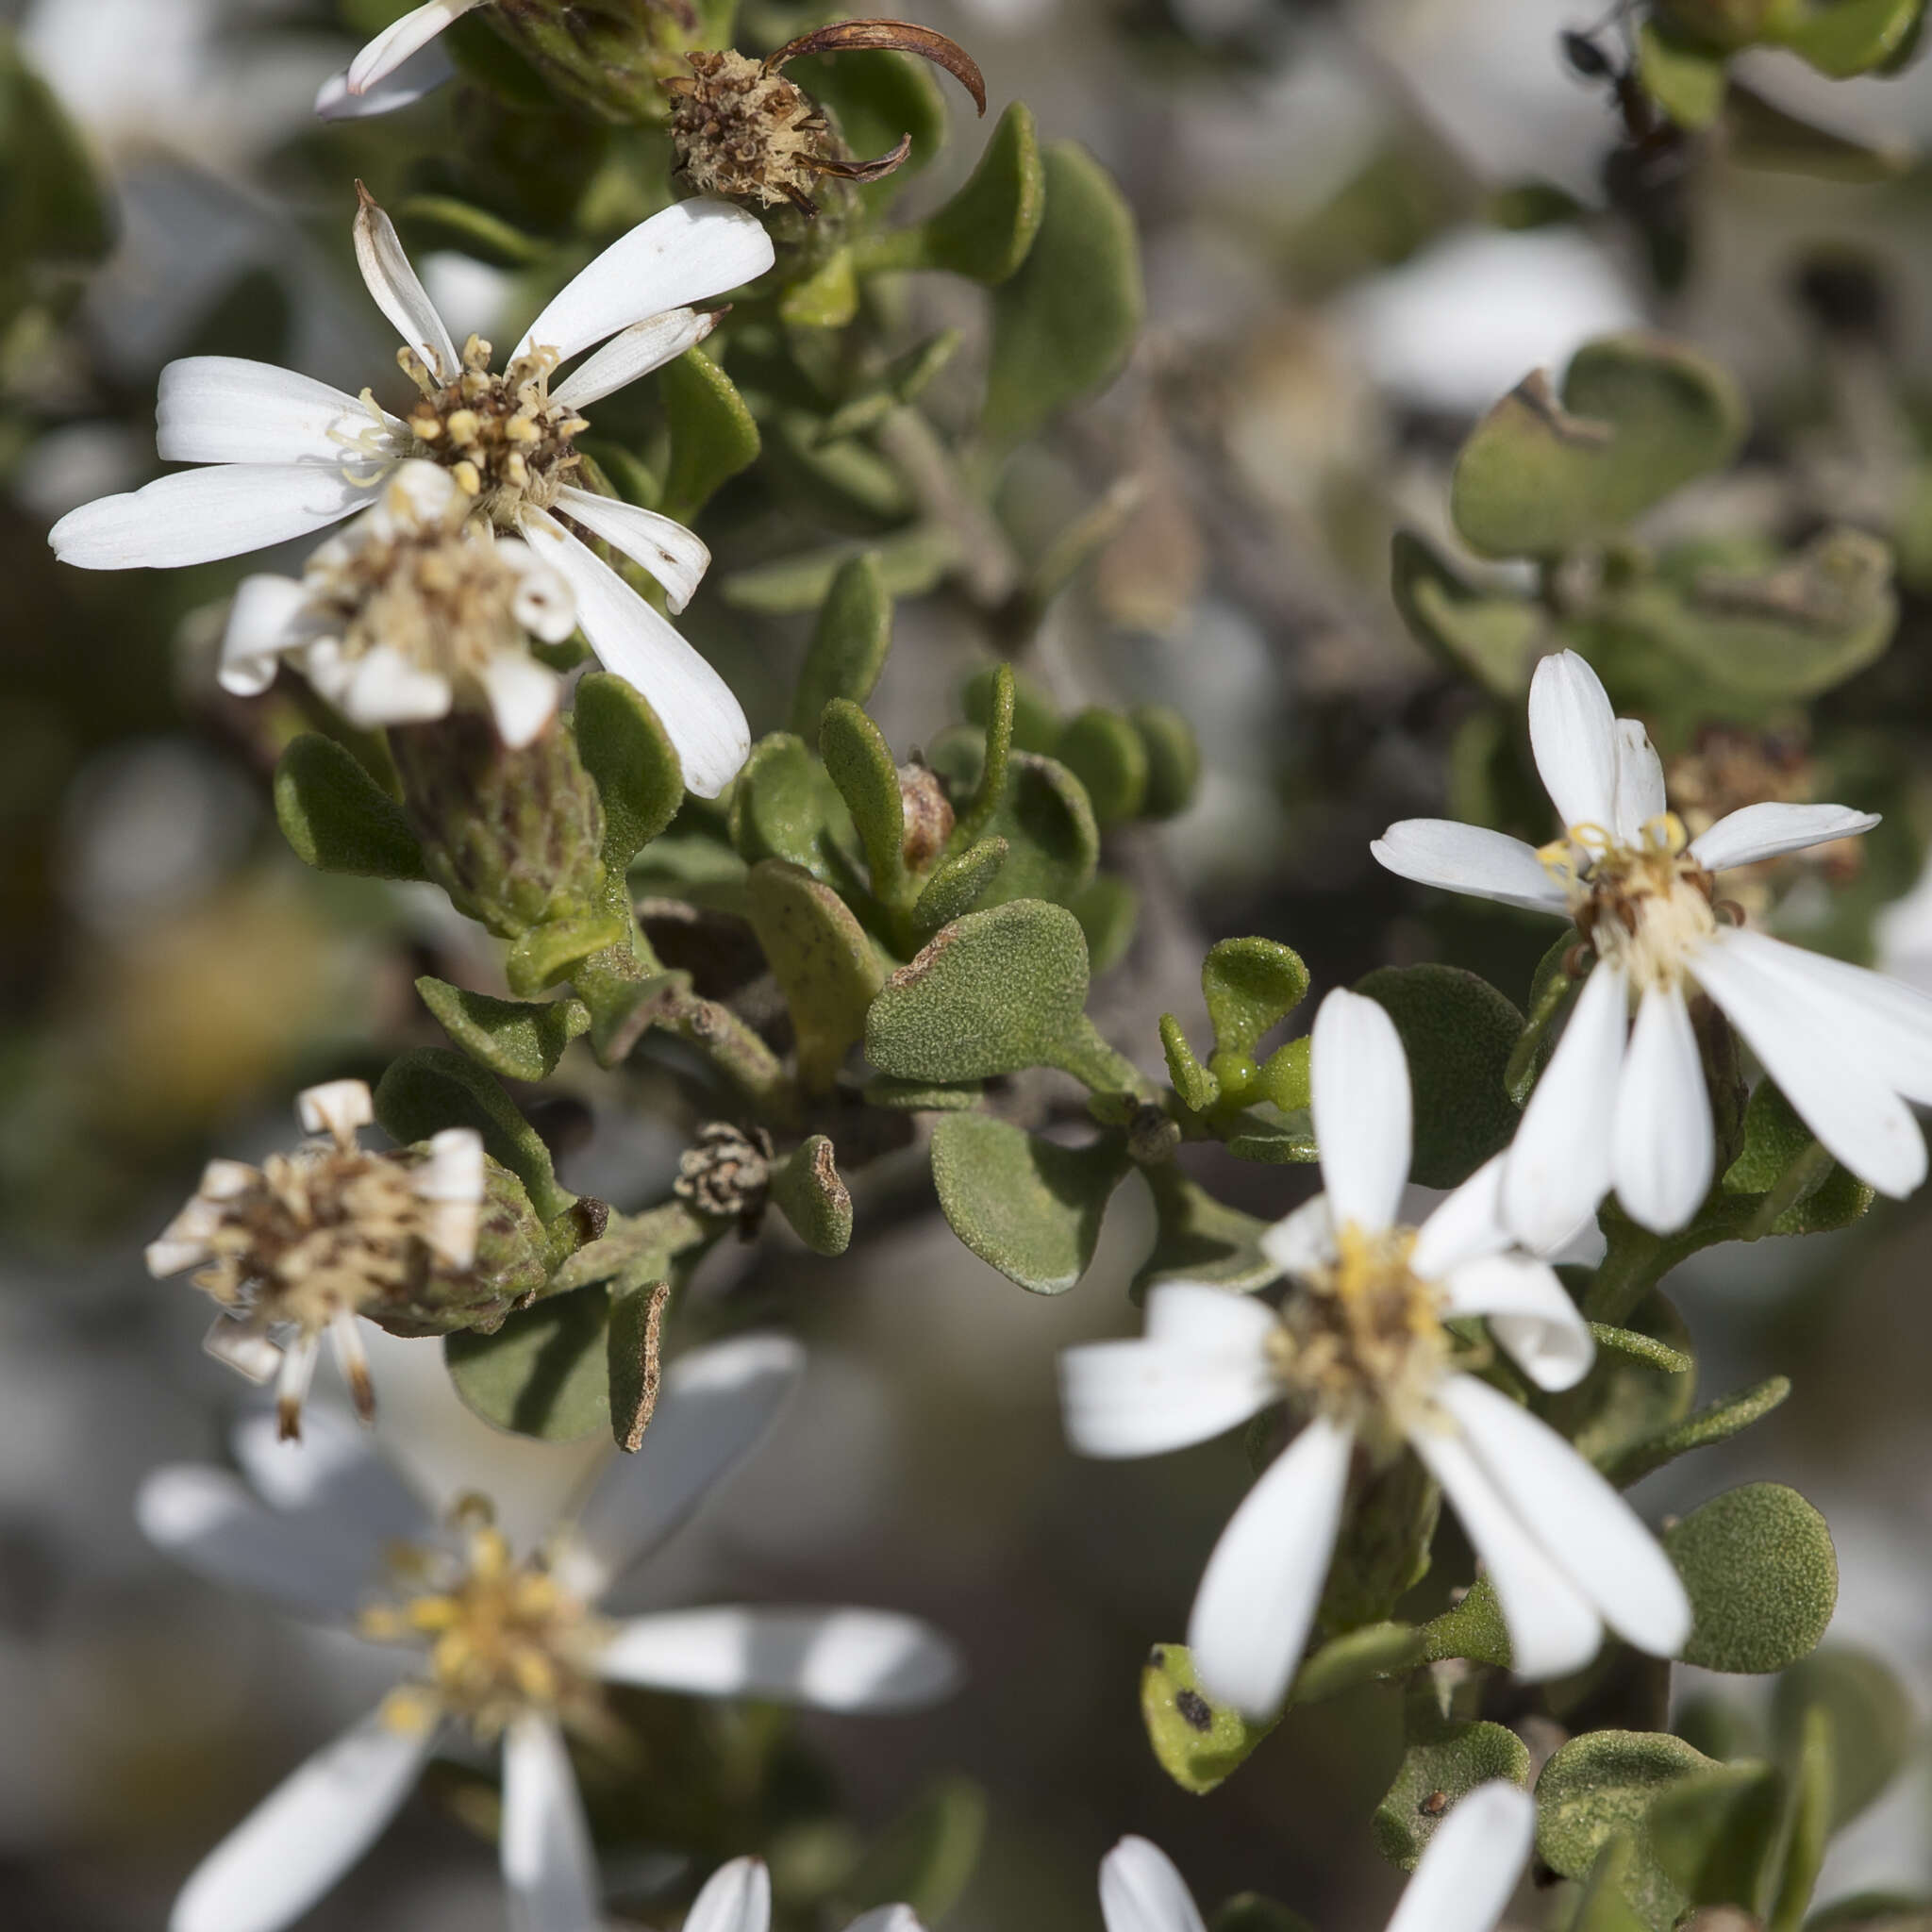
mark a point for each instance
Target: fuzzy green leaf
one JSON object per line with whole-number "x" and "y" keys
{"x": 824, "y": 963}
{"x": 955, "y": 884}
{"x": 520, "y": 1040}
{"x": 431, "y": 1088}
{"x": 631, "y": 761}
{"x": 808, "y": 1190}
{"x": 1065, "y": 322}
{"x": 1174, "y": 760}
{"x": 1873, "y": 1723}
{"x": 1850, "y": 37}
{"x": 337, "y": 818}
{"x": 57, "y": 206}
{"x": 712, "y": 434}
{"x": 859, "y": 762}
{"x": 1487, "y": 635}
{"x": 926, "y": 1855}
{"x": 921, "y": 1096}
{"x": 546, "y": 953}
{"x": 849, "y": 642}
{"x": 984, "y": 230}
{"x": 1715, "y": 1423}
{"x": 1108, "y": 909}
{"x": 1713, "y": 1834}
{"x": 1200, "y": 1239}
{"x": 1637, "y": 417}
{"x": 546, "y": 1373}
{"x": 780, "y": 804}
{"x": 1459, "y": 1033}
{"x": 1762, "y": 1576}
{"x": 1104, "y": 751}
{"x": 1357, "y": 1657}
{"x": 1434, "y": 1774}
{"x": 1250, "y": 986}
{"x": 1197, "y": 1088}
{"x": 1197, "y": 1743}
{"x": 1472, "y": 1629}
{"x": 1047, "y": 822}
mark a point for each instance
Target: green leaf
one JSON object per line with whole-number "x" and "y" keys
{"x": 712, "y": 434}
{"x": 859, "y": 762}
{"x": 955, "y": 884}
{"x": 849, "y": 642}
{"x": 994, "y": 992}
{"x": 1472, "y": 1628}
{"x": 823, "y": 961}
{"x": 1781, "y": 1161}
{"x": 1798, "y": 628}
{"x": 1357, "y": 1657}
{"x": 1604, "y": 1906}
{"x": 911, "y": 561}
{"x": 520, "y": 1039}
{"x": 1108, "y": 909}
{"x": 1551, "y": 990}
{"x": 1174, "y": 760}
{"x": 984, "y": 232}
{"x": 338, "y": 819}
{"x": 1053, "y": 845}
{"x": 431, "y": 1088}
{"x": 546, "y": 953}
{"x": 1811, "y": 1821}
{"x": 1248, "y": 1911}
{"x": 1436, "y": 1772}
{"x": 1199, "y": 1239}
{"x": 1715, "y": 1423}
{"x": 1487, "y": 635}
{"x": 546, "y": 1373}
{"x": 1762, "y": 1576}
{"x": 1197, "y": 1743}
{"x": 1104, "y": 751}
{"x": 1637, "y": 418}
{"x": 808, "y": 1190}
{"x": 1029, "y": 1207}
{"x": 1065, "y": 322}
{"x": 781, "y": 803}
{"x": 826, "y": 298}
{"x": 442, "y": 221}
{"x": 56, "y": 207}
{"x": 1458, "y": 1032}
{"x": 1713, "y": 1834}
{"x": 1873, "y": 1723}
{"x": 1600, "y": 1786}
{"x": 1646, "y": 1349}
{"x": 1848, "y": 36}
{"x": 920, "y": 1096}
{"x": 1250, "y": 987}
{"x": 1033, "y": 721}
{"x": 631, "y": 761}
{"x": 926, "y": 1855}
{"x": 1383, "y": 1548}
{"x": 1686, "y": 77}
{"x": 999, "y": 711}
{"x": 1197, "y": 1088}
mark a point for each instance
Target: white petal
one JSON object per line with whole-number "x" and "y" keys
{"x": 633, "y": 352}
{"x": 1771, "y": 999}
{"x": 1572, "y": 731}
{"x": 1199, "y": 1315}
{"x": 1559, "y": 1163}
{"x": 736, "y": 1898}
{"x": 1767, "y": 830}
{"x": 454, "y": 1171}
{"x": 684, "y": 254}
{"x": 238, "y": 1345}
{"x": 1140, "y": 1890}
{"x": 701, "y": 718}
{"x": 402, "y": 38}
{"x": 715, "y": 1406}
{"x": 197, "y": 516}
{"x": 830, "y": 1659}
{"x": 1259, "y": 1592}
{"x": 543, "y": 605}
{"x": 382, "y": 687}
{"x": 1472, "y": 1865}
{"x": 206, "y": 1519}
{"x": 1469, "y": 858}
{"x": 1143, "y": 1397}
{"x": 336, "y": 1107}
{"x": 1463, "y": 1225}
{"x": 549, "y": 1869}
{"x": 1552, "y": 1629}
{"x": 1303, "y": 1242}
{"x": 1528, "y": 1313}
{"x": 1640, "y": 796}
{"x": 270, "y": 615}
{"x": 333, "y": 1480}
{"x": 420, "y": 75}
{"x": 396, "y": 290}
{"x": 221, "y": 409}
{"x": 1662, "y": 1145}
{"x": 306, "y": 1833}
{"x": 1576, "y": 1516}
{"x": 671, "y": 553}
{"x": 1362, "y": 1109}
{"x": 887, "y": 1919}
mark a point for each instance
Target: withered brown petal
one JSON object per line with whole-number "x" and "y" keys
{"x": 864, "y": 171}
{"x": 891, "y": 36}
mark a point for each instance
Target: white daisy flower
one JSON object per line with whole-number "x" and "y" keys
{"x": 1626, "y": 1106}
{"x": 296, "y": 1249}
{"x": 414, "y": 607}
{"x": 1360, "y": 1347}
{"x": 737, "y": 1898}
{"x": 1461, "y": 1884}
{"x": 284, "y": 456}
{"x": 509, "y": 1651}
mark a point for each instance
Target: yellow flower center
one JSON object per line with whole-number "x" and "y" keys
{"x": 1362, "y": 1339}
{"x": 1645, "y": 907}
{"x": 499, "y": 1636}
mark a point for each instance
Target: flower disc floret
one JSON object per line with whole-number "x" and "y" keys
{"x": 1647, "y": 908}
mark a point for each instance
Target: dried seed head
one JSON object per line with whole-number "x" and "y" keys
{"x": 928, "y": 814}
{"x": 739, "y": 128}
{"x": 727, "y": 1173}
{"x": 309, "y": 1241}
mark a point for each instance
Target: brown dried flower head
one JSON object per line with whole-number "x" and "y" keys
{"x": 727, "y": 1173}
{"x": 307, "y": 1241}
{"x": 739, "y": 128}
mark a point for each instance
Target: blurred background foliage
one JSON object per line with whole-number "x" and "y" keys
{"x": 1359, "y": 226}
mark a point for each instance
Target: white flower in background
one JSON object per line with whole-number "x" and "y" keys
{"x": 285, "y": 456}
{"x": 297, "y": 1248}
{"x": 509, "y": 1648}
{"x": 1361, "y": 1350}
{"x": 1626, "y": 1106}
{"x": 737, "y": 1898}
{"x": 414, "y": 607}
{"x": 1462, "y": 1883}
{"x": 397, "y": 67}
